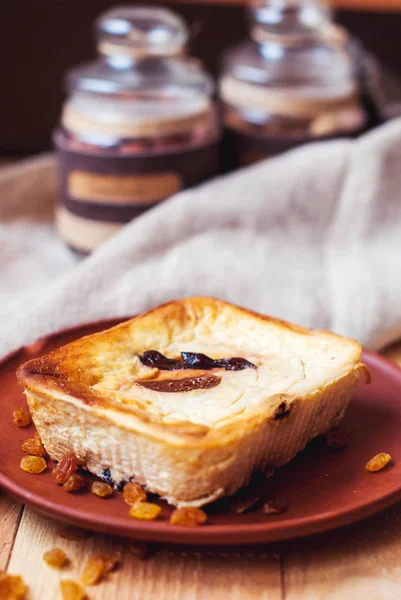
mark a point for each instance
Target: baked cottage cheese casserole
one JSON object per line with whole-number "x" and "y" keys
{"x": 191, "y": 398}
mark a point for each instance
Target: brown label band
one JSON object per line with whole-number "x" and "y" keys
{"x": 109, "y": 186}
{"x": 122, "y": 189}
{"x": 242, "y": 149}
{"x": 250, "y": 157}
{"x": 111, "y": 213}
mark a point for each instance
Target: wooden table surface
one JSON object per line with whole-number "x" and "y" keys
{"x": 359, "y": 562}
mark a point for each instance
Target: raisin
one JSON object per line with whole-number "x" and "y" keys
{"x": 155, "y": 359}
{"x": 74, "y": 533}
{"x": 107, "y": 478}
{"x": 269, "y": 472}
{"x": 378, "y": 462}
{"x": 133, "y": 493}
{"x": 139, "y": 550}
{"x": 74, "y": 483}
{"x": 12, "y": 587}
{"x": 145, "y": 511}
{"x": 21, "y": 417}
{"x": 337, "y": 438}
{"x": 101, "y": 489}
{"x": 34, "y": 447}
{"x": 71, "y": 590}
{"x": 186, "y": 384}
{"x": 33, "y": 464}
{"x": 188, "y": 516}
{"x": 282, "y": 411}
{"x": 236, "y": 364}
{"x": 55, "y": 558}
{"x": 65, "y": 467}
{"x": 193, "y": 360}
{"x": 275, "y": 507}
{"x": 94, "y": 570}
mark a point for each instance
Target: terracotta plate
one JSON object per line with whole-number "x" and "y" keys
{"x": 323, "y": 489}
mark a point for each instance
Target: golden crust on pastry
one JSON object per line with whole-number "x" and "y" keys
{"x": 216, "y": 437}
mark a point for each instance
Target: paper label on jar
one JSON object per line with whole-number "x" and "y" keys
{"x": 101, "y": 189}
{"x": 122, "y": 189}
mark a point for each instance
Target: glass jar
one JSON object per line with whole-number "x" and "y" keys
{"x": 139, "y": 125}
{"x": 295, "y": 81}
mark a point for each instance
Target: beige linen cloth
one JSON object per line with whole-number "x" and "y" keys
{"x": 313, "y": 236}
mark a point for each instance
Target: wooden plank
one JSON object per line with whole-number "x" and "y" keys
{"x": 360, "y": 561}
{"x": 375, "y": 5}
{"x": 10, "y": 514}
{"x": 168, "y": 575}
{"x": 370, "y": 5}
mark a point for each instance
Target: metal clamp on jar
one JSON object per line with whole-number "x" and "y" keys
{"x": 295, "y": 81}
{"x": 138, "y": 126}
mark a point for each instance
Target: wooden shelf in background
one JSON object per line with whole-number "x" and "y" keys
{"x": 376, "y": 5}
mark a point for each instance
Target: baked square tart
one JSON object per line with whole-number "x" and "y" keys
{"x": 191, "y": 432}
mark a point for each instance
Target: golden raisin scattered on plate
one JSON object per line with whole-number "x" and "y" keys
{"x": 139, "y": 550}
{"x": 378, "y": 462}
{"x": 12, "y": 587}
{"x": 65, "y": 467}
{"x": 94, "y": 570}
{"x": 74, "y": 534}
{"x": 145, "y": 511}
{"x": 71, "y": 590}
{"x": 188, "y": 516}
{"x": 74, "y": 483}
{"x": 55, "y": 558}
{"x": 101, "y": 489}
{"x": 34, "y": 447}
{"x": 33, "y": 464}
{"x": 21, "y": 417}
{"x": 133, "y": 493}
{"x": 274, "y": 507}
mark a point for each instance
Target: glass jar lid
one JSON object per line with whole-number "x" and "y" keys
{"x": 141, "y": 48}
{"x": 141, "y": 31}
{"x": 288, "y": 21}
{"x": 103, "y": 77}
{"x": 142, "y": 84}
{"x": 296, "y": 49}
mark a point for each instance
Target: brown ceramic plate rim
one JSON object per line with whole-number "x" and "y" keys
{"x": 250, "y": 533}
